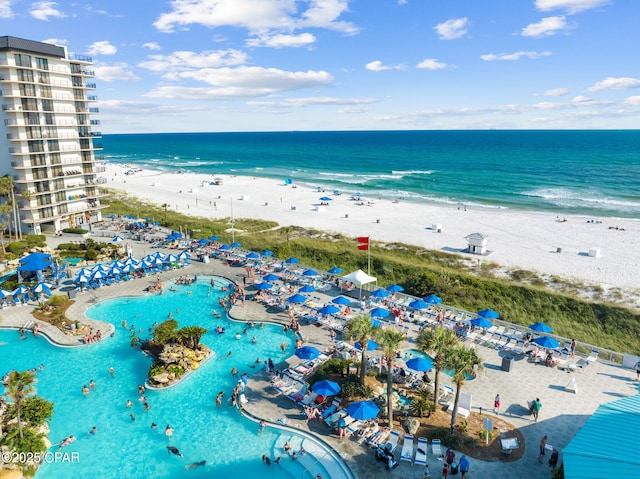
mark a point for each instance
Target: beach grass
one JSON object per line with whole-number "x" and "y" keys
{"x": 521, "y": 298}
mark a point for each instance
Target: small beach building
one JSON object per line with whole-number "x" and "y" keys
{"x": 477, "y": 243}
{"x": 607, "y": 442}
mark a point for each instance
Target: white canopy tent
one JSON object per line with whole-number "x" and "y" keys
{"x": 359, "y": 277}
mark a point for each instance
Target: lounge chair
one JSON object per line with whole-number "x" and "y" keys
{"x": 308, "y": 399}
{"x": 333, "y": 419}
{"x": 421, "y": 451}
{"x": 333, "y": 407}
{"x": 464, "y": 405}
{"x": 354, "y": 427}
{"x": 436, "y": 447}
{"x": 407, "y": 449}
{"x": 394, "y": 437}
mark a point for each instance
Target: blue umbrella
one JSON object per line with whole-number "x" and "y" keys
{"x": 433, "y": 299}
{"x": 326, "y": 198}
{"x": 379, "y": 294}
{"x": 235, "y": 244}
{"x": 379, "y": 313}
{"x": 363, "y": 410}
{"x": 267, "y": 252}
{"x": 43, "y": 288}
{"x": 252, "y": 255}
{"x": 307, "y": 288}
{"x": 326, "y": 388}
{"x": 297, "y": 298}
{"x": 546, "y": 342}
{"x": 270, "y": 277}
{"x": 117, "y": 239}
{"x": 292, "y": 260}
{"x": 224, "y": 247}
{"x": 262, "y": 286}
{"x": 213, "y": 238}
{"x": 488, "y": 313}
{"x": 307, "y": 352}
{"x": 335, "y": 270}
{"x": 418, "y": 304}
{"x": 481, "y": 323}
{"x": 394, "y": 288}
{"x": 329, "y": 309}
{"x": 375, "y": 323}
{"x": 540, "y": 327}
{"x": 310, "y": 272}
{"x": 420, "y": 364}
{"x": 341, "y": 300}
{"x": 371, "y": 345}
{"x": 203, "y": 241}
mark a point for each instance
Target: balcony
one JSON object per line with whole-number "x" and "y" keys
{"x": 82, "y": 58}
{"x": 90, "y": 85}
{"x": 92, "y": 98}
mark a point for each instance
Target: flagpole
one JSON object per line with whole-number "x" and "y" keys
{"x": 369, "y": 255}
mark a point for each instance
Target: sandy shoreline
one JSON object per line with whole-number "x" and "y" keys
{"x": 528, "y": 240}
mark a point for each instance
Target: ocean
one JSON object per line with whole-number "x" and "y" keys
{"x": 594, "y": 173}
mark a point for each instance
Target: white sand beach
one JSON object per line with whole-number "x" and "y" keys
{"x": 541, "y": 242}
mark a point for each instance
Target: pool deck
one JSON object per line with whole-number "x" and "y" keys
{"x": 562, "y": 415}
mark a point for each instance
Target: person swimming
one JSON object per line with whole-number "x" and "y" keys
{"x": 174, "y": 450}
{"x": 195, "y": 464}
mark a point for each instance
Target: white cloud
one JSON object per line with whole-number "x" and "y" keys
{"x": 116, "y": 72}
{"x": 546, "y": 27}
{"x": 581, "y": 99}
{"x": 56, "y": 41}
{"x": 102, "y": 48}
{"x": 570, "y": 6}
{"x": 513, "y": 56}
{"x": 312, "y": 101}
{"x": 151, "y": 46}
{"x": 45, "y": 10}
{"x": 452, "y": 29}
{"x": 377, "y": 66}
{"x": 186, "y": 60}
{"x": 611, "y": 83}
{"x": 556, "y": 92}
{"x": 241, "y": 82}
{"x": 256, "y": 15}
{"x": 279, "y": 41}
{"x": 431, "y": 64}
{"x": 632, "y": 101}
{"x": 5, "y": 9}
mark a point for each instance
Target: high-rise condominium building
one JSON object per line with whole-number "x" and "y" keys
{"x": 47, "y": 144}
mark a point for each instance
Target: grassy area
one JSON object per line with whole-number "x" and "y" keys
{"x": 422, "y": 272}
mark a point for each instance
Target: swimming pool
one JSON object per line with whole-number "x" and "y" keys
{"x": 124, "y": 448}
{"x": 416, "y": 353}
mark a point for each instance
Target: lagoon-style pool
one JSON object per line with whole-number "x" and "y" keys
{"x": 126, "y": 448}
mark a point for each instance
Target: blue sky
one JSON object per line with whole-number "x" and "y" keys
{"x": 267, "y": 65}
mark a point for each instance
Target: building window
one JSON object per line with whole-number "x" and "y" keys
{"x": 42, "y": 63}
{"x": 49, "y": 119}
{"x": 22, "y": 60}
{"x": 27, "y": 89}
{"x": 29, "y": 104}
{"x": 25, "y": 75}
{"x": 45, "y": 92}
{"x": 36, "y": 146}
{"x": 47, "y": 105}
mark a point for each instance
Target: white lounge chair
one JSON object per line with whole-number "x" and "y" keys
{"x": 436, "y": 447}
{"x": 394, "y": 437}
{"x": 407, "y": 448}
{"x": 464, "y": 405}
{"x": 421, "y": 451}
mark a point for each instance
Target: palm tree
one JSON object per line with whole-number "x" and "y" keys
{"x": 361, "y": 329}
{"x": 19, "y": 386}
{"x": 437, "y": 342}
{"x": 390, "y": 341}
{"x": 462, "y": 361}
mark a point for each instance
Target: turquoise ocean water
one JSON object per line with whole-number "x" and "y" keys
{"x": 568, "y": 172}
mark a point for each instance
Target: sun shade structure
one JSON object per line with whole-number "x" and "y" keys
{"x": 297, "y": 298}
{"x": 488, "y": 313}
{"x": 341, "y": 300}
{"x": 307, "y": 352}
{"x": 326, "y": 388}
{"x": 420, "y": 364}
{"x": 359, "y": 277}
{"x": 584, "y": 459}
{"x": 433, "y": 299}
{"x": 481, "y": 323}
{"x": 394, "y": 288}
{"x": 540, "y": 327}
{"x": 362, "y": 410}
{"x": 546, "y": 342}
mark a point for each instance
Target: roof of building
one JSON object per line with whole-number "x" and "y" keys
{"x": 30, "y": 46}
{"x": 607, "y": 443}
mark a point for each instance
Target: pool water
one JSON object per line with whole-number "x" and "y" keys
{"x": 72, "y": 261}
{"x": 416, "y": 353}
{"x": 122, "y": 447}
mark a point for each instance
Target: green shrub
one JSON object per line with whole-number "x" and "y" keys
{"x": 36, "y": 410}
{"x": 176, "y": 369}
{"x": 156, "y": 368}
{"x": 17, "y": 247}
{"x": 91, "y": 255}
{"x": 36, "y": 241}
{"x": 454, "y": 441}
{"x": 483, "y": 434}
{"x": 71, "y": 246}
{"x": 470, "y": 442}
{"x": 74, "y": 231}
{"x": 419, "y": 406}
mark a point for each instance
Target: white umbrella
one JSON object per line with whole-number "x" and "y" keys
{"x": 117, "y": 239}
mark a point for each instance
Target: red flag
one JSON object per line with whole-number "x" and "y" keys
{"x": 363, "y": 239}
{"x": 363, "y": 246}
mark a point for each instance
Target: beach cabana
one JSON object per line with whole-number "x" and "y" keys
{"x": 477, "y": 243}
{"x": 587, "y": 457}
{"x": 359, "y": 277}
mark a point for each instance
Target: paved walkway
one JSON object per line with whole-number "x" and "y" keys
{"x": 562, "y": 415}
